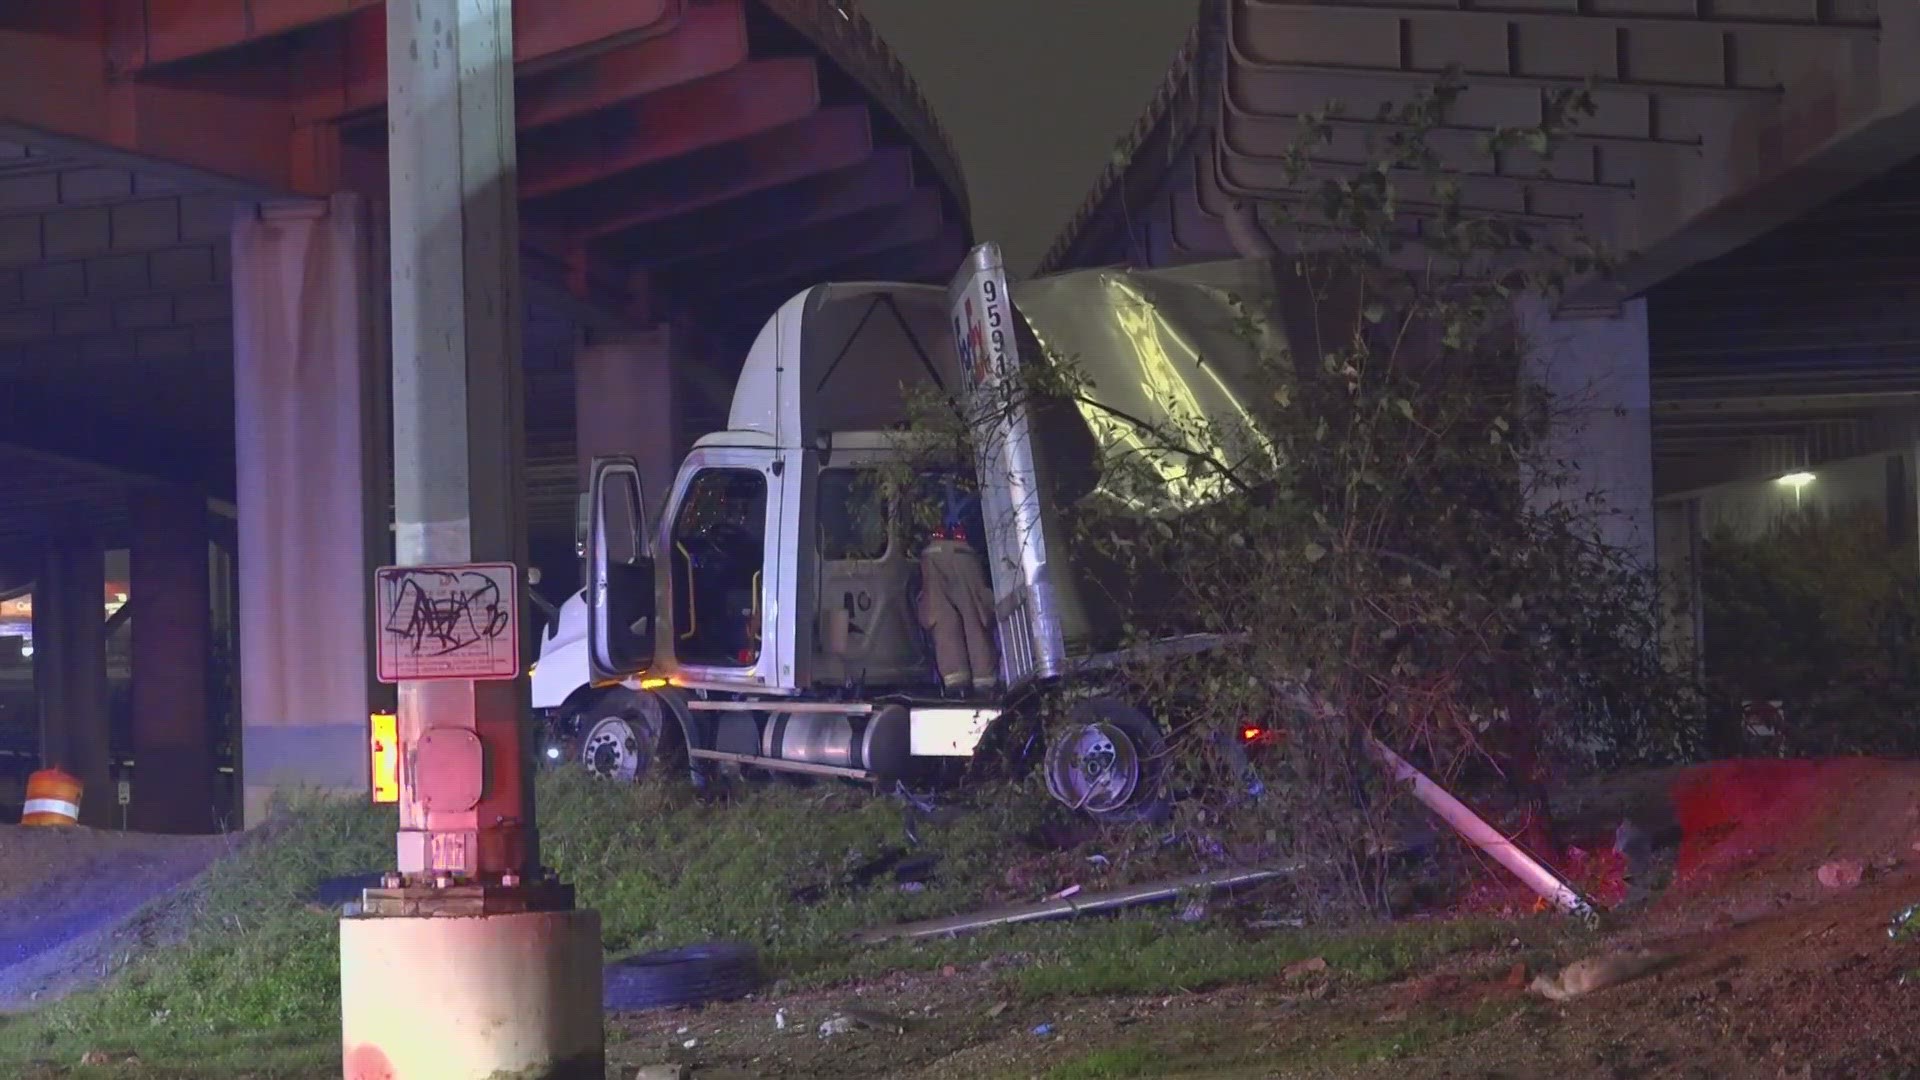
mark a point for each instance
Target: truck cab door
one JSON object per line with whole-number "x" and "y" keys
{"x": 619, "y": 571}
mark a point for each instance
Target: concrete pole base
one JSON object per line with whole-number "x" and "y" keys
{"x": 489, "y": 997}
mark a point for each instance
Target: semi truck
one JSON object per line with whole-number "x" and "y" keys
{"x": 782, "y": 615}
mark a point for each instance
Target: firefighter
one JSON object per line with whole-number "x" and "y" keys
{"x": 956, "y": 604}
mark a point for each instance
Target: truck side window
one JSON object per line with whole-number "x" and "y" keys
{"x": 853, "y": 515}
{"x": 718, "y": 551}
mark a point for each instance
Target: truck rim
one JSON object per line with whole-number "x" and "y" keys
{"x": 614, "y": 749}
{"x": 1094, "y": 767}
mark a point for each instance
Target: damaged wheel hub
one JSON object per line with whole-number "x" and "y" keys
{"x": 1093, "y": 767}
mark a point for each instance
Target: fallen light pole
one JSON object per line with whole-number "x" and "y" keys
{"x": 470, "y": 960}
{"x": 1475, "y": 829}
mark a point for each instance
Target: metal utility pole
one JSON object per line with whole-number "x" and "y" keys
{"x": 513, "y": 987}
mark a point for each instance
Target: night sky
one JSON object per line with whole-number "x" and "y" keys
{"x": 1034, "y": 93}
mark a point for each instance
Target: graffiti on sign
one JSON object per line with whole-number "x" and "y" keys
{"x": 448, "y": 622}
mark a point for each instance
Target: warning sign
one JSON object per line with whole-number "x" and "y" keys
{"x": 447, "y": 622}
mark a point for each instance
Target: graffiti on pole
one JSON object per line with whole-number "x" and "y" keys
{"x": 447, "y": 622}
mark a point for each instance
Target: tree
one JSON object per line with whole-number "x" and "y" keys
{"x": 1374, "y": 526}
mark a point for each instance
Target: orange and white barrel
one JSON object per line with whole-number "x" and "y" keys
{"x": 53, "y": 798}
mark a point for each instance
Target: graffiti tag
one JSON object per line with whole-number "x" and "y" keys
{"x": 448, "y": 622}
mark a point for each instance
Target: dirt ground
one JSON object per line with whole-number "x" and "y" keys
{"x": 68, "y": 897}
{"x": 1770, "y": 974}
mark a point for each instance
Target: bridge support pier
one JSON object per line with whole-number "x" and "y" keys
{"x": 70, "y": 668}
{"x": 311, "y": 461}
{"x": 626, "y": 401}
{"x": 173, "y": 759}
{"x": 1593, "y": 367}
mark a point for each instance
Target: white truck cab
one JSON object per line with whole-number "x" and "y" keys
{"x": 772, "y": 619}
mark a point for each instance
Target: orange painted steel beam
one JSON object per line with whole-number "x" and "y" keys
{"x": 244, "y": 114}
{"x": 711, "y": 38}
{"x": 175, "y": 32}
{"x": 752, "y": 99}
{"x": 342, "y": 71}
{"x": 884, "y": 179}
{"x": 833, "y": 138}
{"x": 53, "y": 81}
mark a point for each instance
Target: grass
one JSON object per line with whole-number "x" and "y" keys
{"x": 1115, "y": 1063}
{"x": 254, "y": 982}
{"x": 661, "y": 868}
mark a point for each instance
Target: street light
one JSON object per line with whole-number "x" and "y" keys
{"x": 1798, "y": 482}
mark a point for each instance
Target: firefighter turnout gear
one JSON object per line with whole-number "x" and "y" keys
{"x": 956, "y": 608}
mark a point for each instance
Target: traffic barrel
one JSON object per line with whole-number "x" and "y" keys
{"x": 53, "y": 798}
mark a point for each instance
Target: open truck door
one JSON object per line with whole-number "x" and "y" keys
{"x": 619, "y": 571}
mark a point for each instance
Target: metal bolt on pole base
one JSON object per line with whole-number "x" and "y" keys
{"x": 466, "y": 899}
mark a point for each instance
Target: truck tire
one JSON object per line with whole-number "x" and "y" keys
{"x": 620, "y": 735}
{"x": 675, "y": 978}
{"x": 1107, "y": 759}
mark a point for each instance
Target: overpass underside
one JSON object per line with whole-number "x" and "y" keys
{"x": 194, "y": 336}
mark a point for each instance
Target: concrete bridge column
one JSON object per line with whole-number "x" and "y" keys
{"x": 1593, "y": 368}
{"x": 173, "y": 790}
{"x": 309, "y": 365}
{"x": 70, "y": 668}
{"x": 1682, "y": 622}
{"x": 625, "y": 402}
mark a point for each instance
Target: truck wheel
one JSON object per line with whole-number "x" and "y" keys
{"x": 1107, "y": 760}
{"x": 622, "y": 735}
{"x": 678, "y": 978}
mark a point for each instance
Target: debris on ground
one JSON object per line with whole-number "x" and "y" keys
{"x": 1583, "y": 977}
{"x": 854, "y": 1018}
{"x": 875, "y": 1019}
{"x": 911, "y": 872}
{"x": 1906, "y": 924}
{"x": 1072, "y": 905}
{"x": 1842, "y": 873}
{"x": 663, "y": 1072}
{"x": 1042, "y": 1030}
{"x": 1302, "y": 968}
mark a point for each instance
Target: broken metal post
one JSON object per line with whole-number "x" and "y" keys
{"x": 1064, "y": 907}
{"x": 1537, "y": 875}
